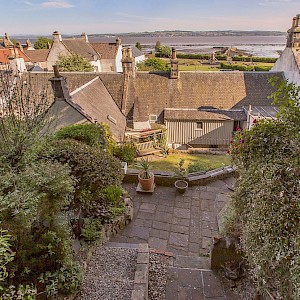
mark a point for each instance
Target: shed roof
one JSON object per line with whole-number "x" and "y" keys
{"x": 194, "y": 114}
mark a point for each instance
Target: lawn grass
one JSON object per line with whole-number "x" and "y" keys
{"x": 206, "y": 161}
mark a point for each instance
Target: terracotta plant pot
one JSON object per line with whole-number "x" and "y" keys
{"x": 181, "y": 186}
{"x": 146, "y": 184}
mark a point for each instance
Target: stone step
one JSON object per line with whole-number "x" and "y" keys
{"x": 122, "y": 245}
{"x": 191, "y": 262}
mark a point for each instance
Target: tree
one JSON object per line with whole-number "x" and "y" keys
{"x": 42, "y": 43}
{"x": 74, "y": 63}
{"x": 265, "y": 204}
{"x": 157, "y": 46}
{"x": 153, "y": 64}
{"x": 138, "y": 45}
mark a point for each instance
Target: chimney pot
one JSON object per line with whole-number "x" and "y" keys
{"x": 56, "y": 36}
{"x": 56, "y": 71}
{"x": 174, "y": 53}
{"x": 129, "y": 53}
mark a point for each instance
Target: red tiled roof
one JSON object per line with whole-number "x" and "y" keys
{"x": 5, "y": 54}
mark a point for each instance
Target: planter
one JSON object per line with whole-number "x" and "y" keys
{"x": 147, "y": 184}
{"x": 181, "y": 186}
{"x": 124, "y": 167}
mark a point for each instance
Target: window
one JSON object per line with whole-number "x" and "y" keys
{"x": 199, "y": 125}
{"x": 152, "y": 118}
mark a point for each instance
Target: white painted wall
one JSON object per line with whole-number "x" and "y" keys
{"x": 139, "y": 59}
{"x": 287, "y": 64}
{"x": 119, "y": 60}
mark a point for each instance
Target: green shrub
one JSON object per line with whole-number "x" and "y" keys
{"x": 125, "y": 152}
{"x": 90, "y": 134}
{"x": 91, "y": 231}
{"x": 93, "y": 168}
{"x": 112, "y": 194}
{"x": 196, "y": 167}
{"x": 266, "y": 207}
{"x": 6, "y": 254}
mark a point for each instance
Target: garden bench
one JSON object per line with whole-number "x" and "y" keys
{"x": 146, "y": 148}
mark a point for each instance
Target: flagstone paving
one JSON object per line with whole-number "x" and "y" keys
{"x": 181, "y": 224}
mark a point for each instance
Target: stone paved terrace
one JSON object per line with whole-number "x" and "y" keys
{"x": 181, "y": 224}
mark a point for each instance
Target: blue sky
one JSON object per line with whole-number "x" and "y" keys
{"x": 42, "y": 17}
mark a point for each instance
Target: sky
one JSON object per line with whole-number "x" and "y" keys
{"x": 42, "y": 17}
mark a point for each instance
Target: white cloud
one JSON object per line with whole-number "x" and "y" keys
{"x": 56, "y": 4}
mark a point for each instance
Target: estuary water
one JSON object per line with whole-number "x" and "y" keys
{"x": 265, "y": 46}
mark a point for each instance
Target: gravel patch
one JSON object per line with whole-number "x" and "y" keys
{"x": 110, "y": 275}
{"x": 158, "y": 264}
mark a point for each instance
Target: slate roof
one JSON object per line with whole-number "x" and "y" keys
{"x": 106, "y": 50}
{"x": 95, "y": 102}
{"x": 152, "y": 93}
{"x": 136, "y": 52}
{"x": 192, "y": 114}
{"x": 81, "y": 47}
{"x": 38, "y": 55}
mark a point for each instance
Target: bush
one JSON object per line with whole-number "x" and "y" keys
{"x": 153, "y": 64}
{"x": 93, "y": 168}
{"x": 125, "y": 152}
{"x": 266, "y": 206}
{"x": 112, "y": 194}
{"x": 90, "y": 134}
{"x": 196, "y": 167}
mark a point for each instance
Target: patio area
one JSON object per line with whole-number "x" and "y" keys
{"x": 181, "y": 224}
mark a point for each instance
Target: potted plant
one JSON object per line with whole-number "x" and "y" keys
{"x": 181, "y": 183}
{"x": 146, "y": 178}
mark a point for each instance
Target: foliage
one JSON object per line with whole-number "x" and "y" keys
{"x": 110, "y": 142}
{"x": 157, "y": 45}
{"x": 90, "y": 134}
{"x": 93, "y": 168}
{"x": 23, "y": 118}
{"x": 138, "y": 45}
{"x": 6, "y": 254}
{"x": 245, "y": 67}
{"x": 21, "y": 292}
{"x": 153, "y": 64}
{"x": 65, "y": 280}
{"x": 163, "y": 51}
{"x": 144, "y": 164}
{"x": 265, "y": 204}
{"x": 42, "y": 43}
{"x": 196, "y": 167}
{"x": 181, "y": 172}
{"x": 125, "y": 152}
{"x": 193, "y": 56}
{"x": 74, "y": 63}
{"x": 91, "y": 231}
{"x": 112, "y": 194}
{"x": 254, "y": 59}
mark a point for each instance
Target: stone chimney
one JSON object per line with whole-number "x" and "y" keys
{"x": 128, "y": 62}
{"x": 7, "y": 42}
{"x": 85, "y": 37}
{"x": 118, "y": 42}
{"x": 293, "y": 40}
{"x": 29, "y": 45}
{"x": 56, "y": 37}
{"x": 59, "y": 86}
{"x": 174, "y": 74}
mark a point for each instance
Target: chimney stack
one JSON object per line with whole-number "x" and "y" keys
{"x": 85, "y": 37}
{"x": 56, "y": 37}
{"x": 128, "y": 62}
{"x": 293, "y": 39}
{"x": 19, "y": 46}
{"x": 118, "y": 42}
{"x": 59, "y": 86}
{"x": 174, "y": 74}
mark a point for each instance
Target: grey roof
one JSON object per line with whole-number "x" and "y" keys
{"x": 152, "y": 93}
{"x": 81, "y": 47}
{"x": 265, "y": 111}
{"x": 136, "y": 52}
{"x": 94, "y": 101}
{"x": 198, "y": 114}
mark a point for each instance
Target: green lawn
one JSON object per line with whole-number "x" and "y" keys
{"x": 205, "y": 161}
